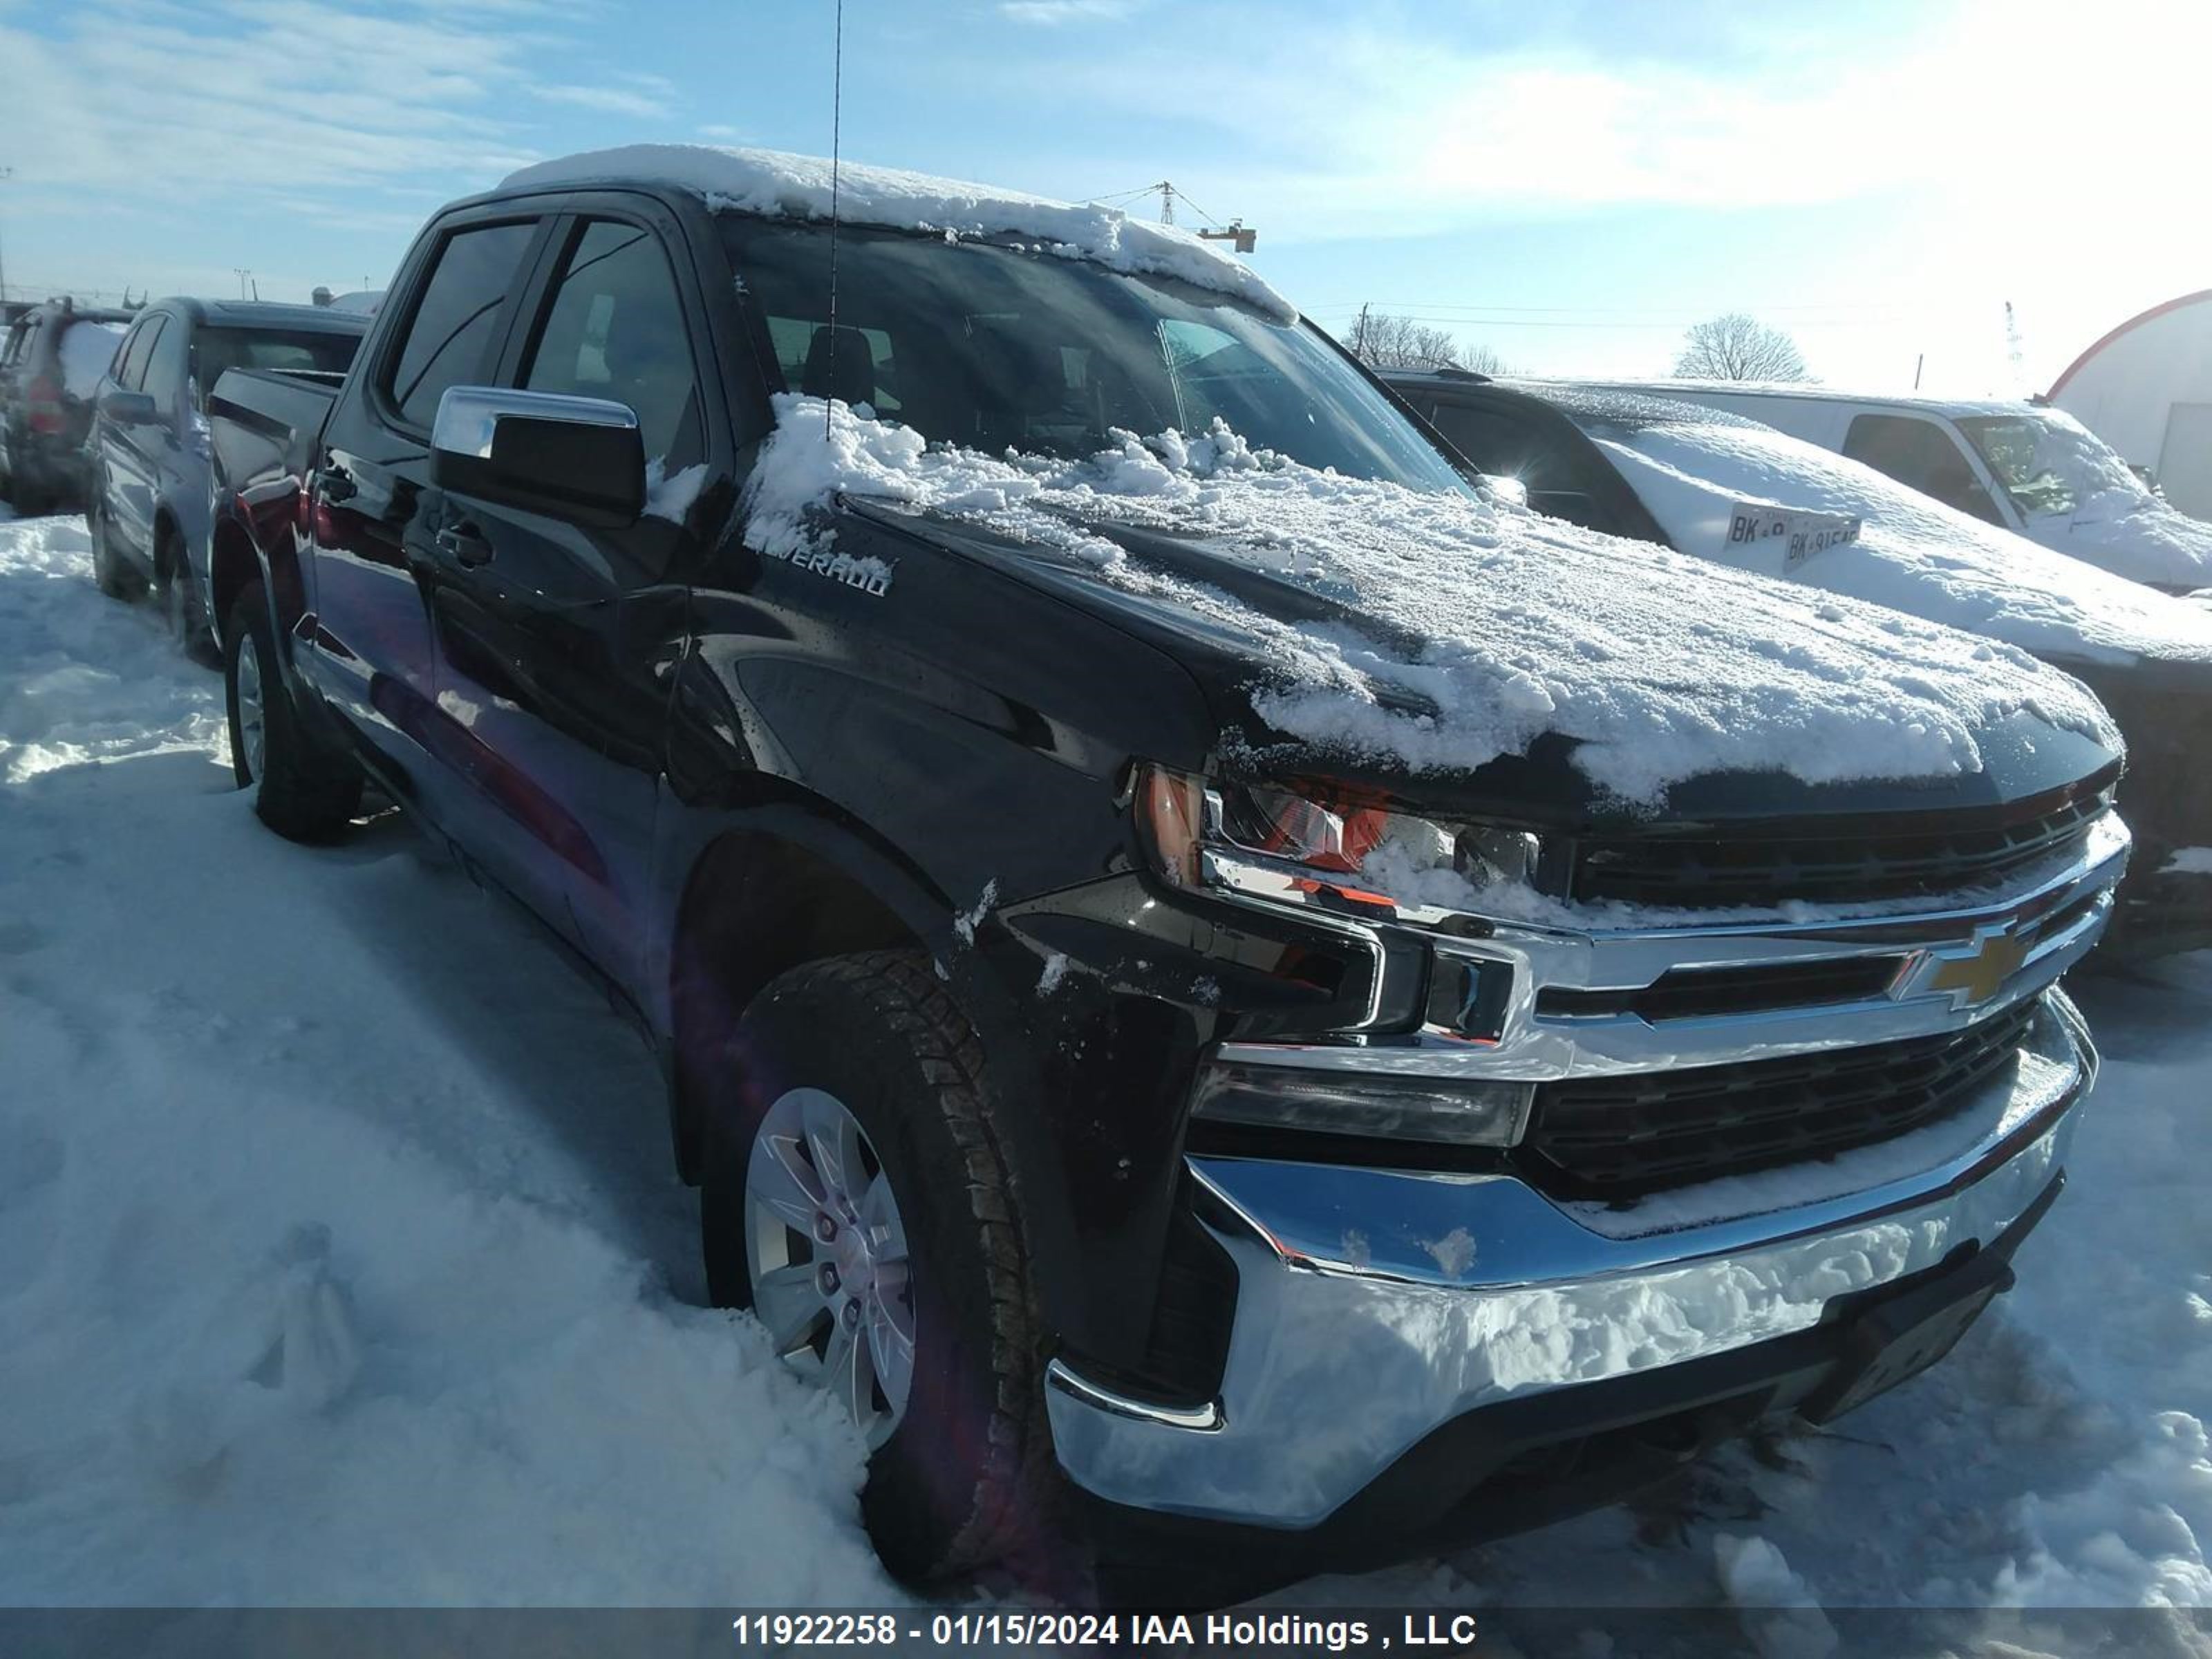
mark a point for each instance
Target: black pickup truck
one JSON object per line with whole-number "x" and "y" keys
{"x": 1068, "y": 1088}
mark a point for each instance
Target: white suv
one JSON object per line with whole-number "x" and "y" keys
{"x": 2023, "y": 466}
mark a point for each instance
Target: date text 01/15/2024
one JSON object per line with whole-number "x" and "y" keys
{"x": 1240, "y": 1633}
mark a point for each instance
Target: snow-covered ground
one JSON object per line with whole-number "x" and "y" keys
{"x": 340, "y": 1261}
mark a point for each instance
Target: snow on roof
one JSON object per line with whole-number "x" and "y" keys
{"x": 1692, "y": 466}
{"x": 780, "y": 185}
{"x": 1666, "y": 668}
{"x": 1814, "y": 391}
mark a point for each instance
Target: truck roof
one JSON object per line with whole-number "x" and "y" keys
{"x": 776, "y": 184}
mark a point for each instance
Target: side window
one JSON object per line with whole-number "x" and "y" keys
{"x": 131, "y": 365}
{"x": 452, "y": 335}
{"x": 615, "y": 328}
{"x": 1920, "y": 454}
{"x": 1495, "y": 443}
{"x": 165, "y": 368}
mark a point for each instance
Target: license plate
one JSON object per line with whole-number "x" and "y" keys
{"x": 1898, "y": 1339}
{"x": 1799, "y": 535}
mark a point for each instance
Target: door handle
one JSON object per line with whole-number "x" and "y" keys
{"x": 464, "y": 545}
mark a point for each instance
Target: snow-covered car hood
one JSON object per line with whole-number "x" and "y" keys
{"x": 2115, "y": 522}
{"x": 1432, "y": 634}
{"x": 2146, "y": 540}
{"x": 1694, "y": 468}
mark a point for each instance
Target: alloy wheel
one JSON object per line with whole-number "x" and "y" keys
{"x": 826, "y": 1249}
{"x": 252, "y": 715}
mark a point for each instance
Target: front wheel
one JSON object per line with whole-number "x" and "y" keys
{"x": 182, "y": 607}
{"x": 300, "y": 791}
{"x": 109, "y": 573}
{"x": 855, "y": 1198}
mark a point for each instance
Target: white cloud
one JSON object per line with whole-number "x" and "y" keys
{"x": 609, "y": 100}
{"x": 195, "y": 126}
{"x": 1052, "y": 12}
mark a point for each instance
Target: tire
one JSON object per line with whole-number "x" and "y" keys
{"x": 299, "y": 791}
{"x": 25, "y": 494}
{"x": 182, "y": 608}
{"x": 966, "y": 1476}
{"x": 109, "y": 573}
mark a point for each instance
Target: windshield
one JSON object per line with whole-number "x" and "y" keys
{"x": 311, "y": 350}
{"x": 2049, "y": 464}
{"x": 997, "y": 348}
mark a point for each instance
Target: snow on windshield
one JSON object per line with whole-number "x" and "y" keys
{"x": 1692, "y": 467}
{"x": 1470, "y": 627}
{"x": 2050, "y": 465}
{"x": 86, "y": 350}
{"x": 780, "y": 185}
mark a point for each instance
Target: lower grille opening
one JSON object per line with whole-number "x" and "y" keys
{"x": 1618, "y": 1138}
{"x": 1702, "y": 993}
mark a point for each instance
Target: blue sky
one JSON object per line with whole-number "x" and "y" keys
{"x": 1571, "y": 184}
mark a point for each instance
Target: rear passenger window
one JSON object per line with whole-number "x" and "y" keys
{"x": 1921, "y": 455}
{"x": 453, "y": 331}
{"x": 130, "y": 366}
{"x": 165, "y": 369}
{"x": 615, "y": 330}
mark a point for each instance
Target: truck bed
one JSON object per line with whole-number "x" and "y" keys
{"x": 265, "y": 424}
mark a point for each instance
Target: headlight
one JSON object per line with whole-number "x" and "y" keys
{"x": 1313, "y": 845}
{"x": 1470, "y": 1111}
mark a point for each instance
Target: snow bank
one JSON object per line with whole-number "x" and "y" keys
{"x": 1465, "y": 627}
{"x": 1691, "y": 467}
{"x": 1777, "y": 1610}
{"x": 76, "y": 691}
{"x": 770, "y": 182}
{"x": 341, "y": 1261}
{"x": 86, "y": 350}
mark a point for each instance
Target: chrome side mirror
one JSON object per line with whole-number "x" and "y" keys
{"x": 578, "y": 458}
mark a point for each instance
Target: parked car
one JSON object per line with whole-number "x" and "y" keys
{"x": 2025, "y": 467}
{"x": 1721, "y": 487}
{"x": 1063, "y": 1094}
{"x": 150, "y": 505}
{"x": 50, "y": 368}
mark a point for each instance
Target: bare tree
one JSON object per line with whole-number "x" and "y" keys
{"x": 1383, "y": 341}
{"x": 1740, "y": 347}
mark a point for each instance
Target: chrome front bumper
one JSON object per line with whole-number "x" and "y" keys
{"x": 1374, "y": 1306}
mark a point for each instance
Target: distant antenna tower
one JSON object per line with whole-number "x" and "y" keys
{"x": 1236, "y": 233}
{"x": 2012, "y": 347}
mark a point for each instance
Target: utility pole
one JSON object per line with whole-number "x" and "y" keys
{"x": 242, "y": 273}
{"x": 1358, "y": 341}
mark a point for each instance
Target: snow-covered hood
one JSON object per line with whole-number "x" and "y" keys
{"x": 2145, "y": 540}
{"x": 1696, "y": 470}
{"x": 776, "y": 184}
{"x": 1429, "y": 636}
{"x": 2116, "y": 523}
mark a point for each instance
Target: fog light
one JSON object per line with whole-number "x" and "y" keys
{"x": 1462, "y": 1111}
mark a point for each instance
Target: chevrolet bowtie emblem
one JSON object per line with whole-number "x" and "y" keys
{"x": 1978, "y": 973}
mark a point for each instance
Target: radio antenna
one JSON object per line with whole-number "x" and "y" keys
{"x": 836, "y": 122}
